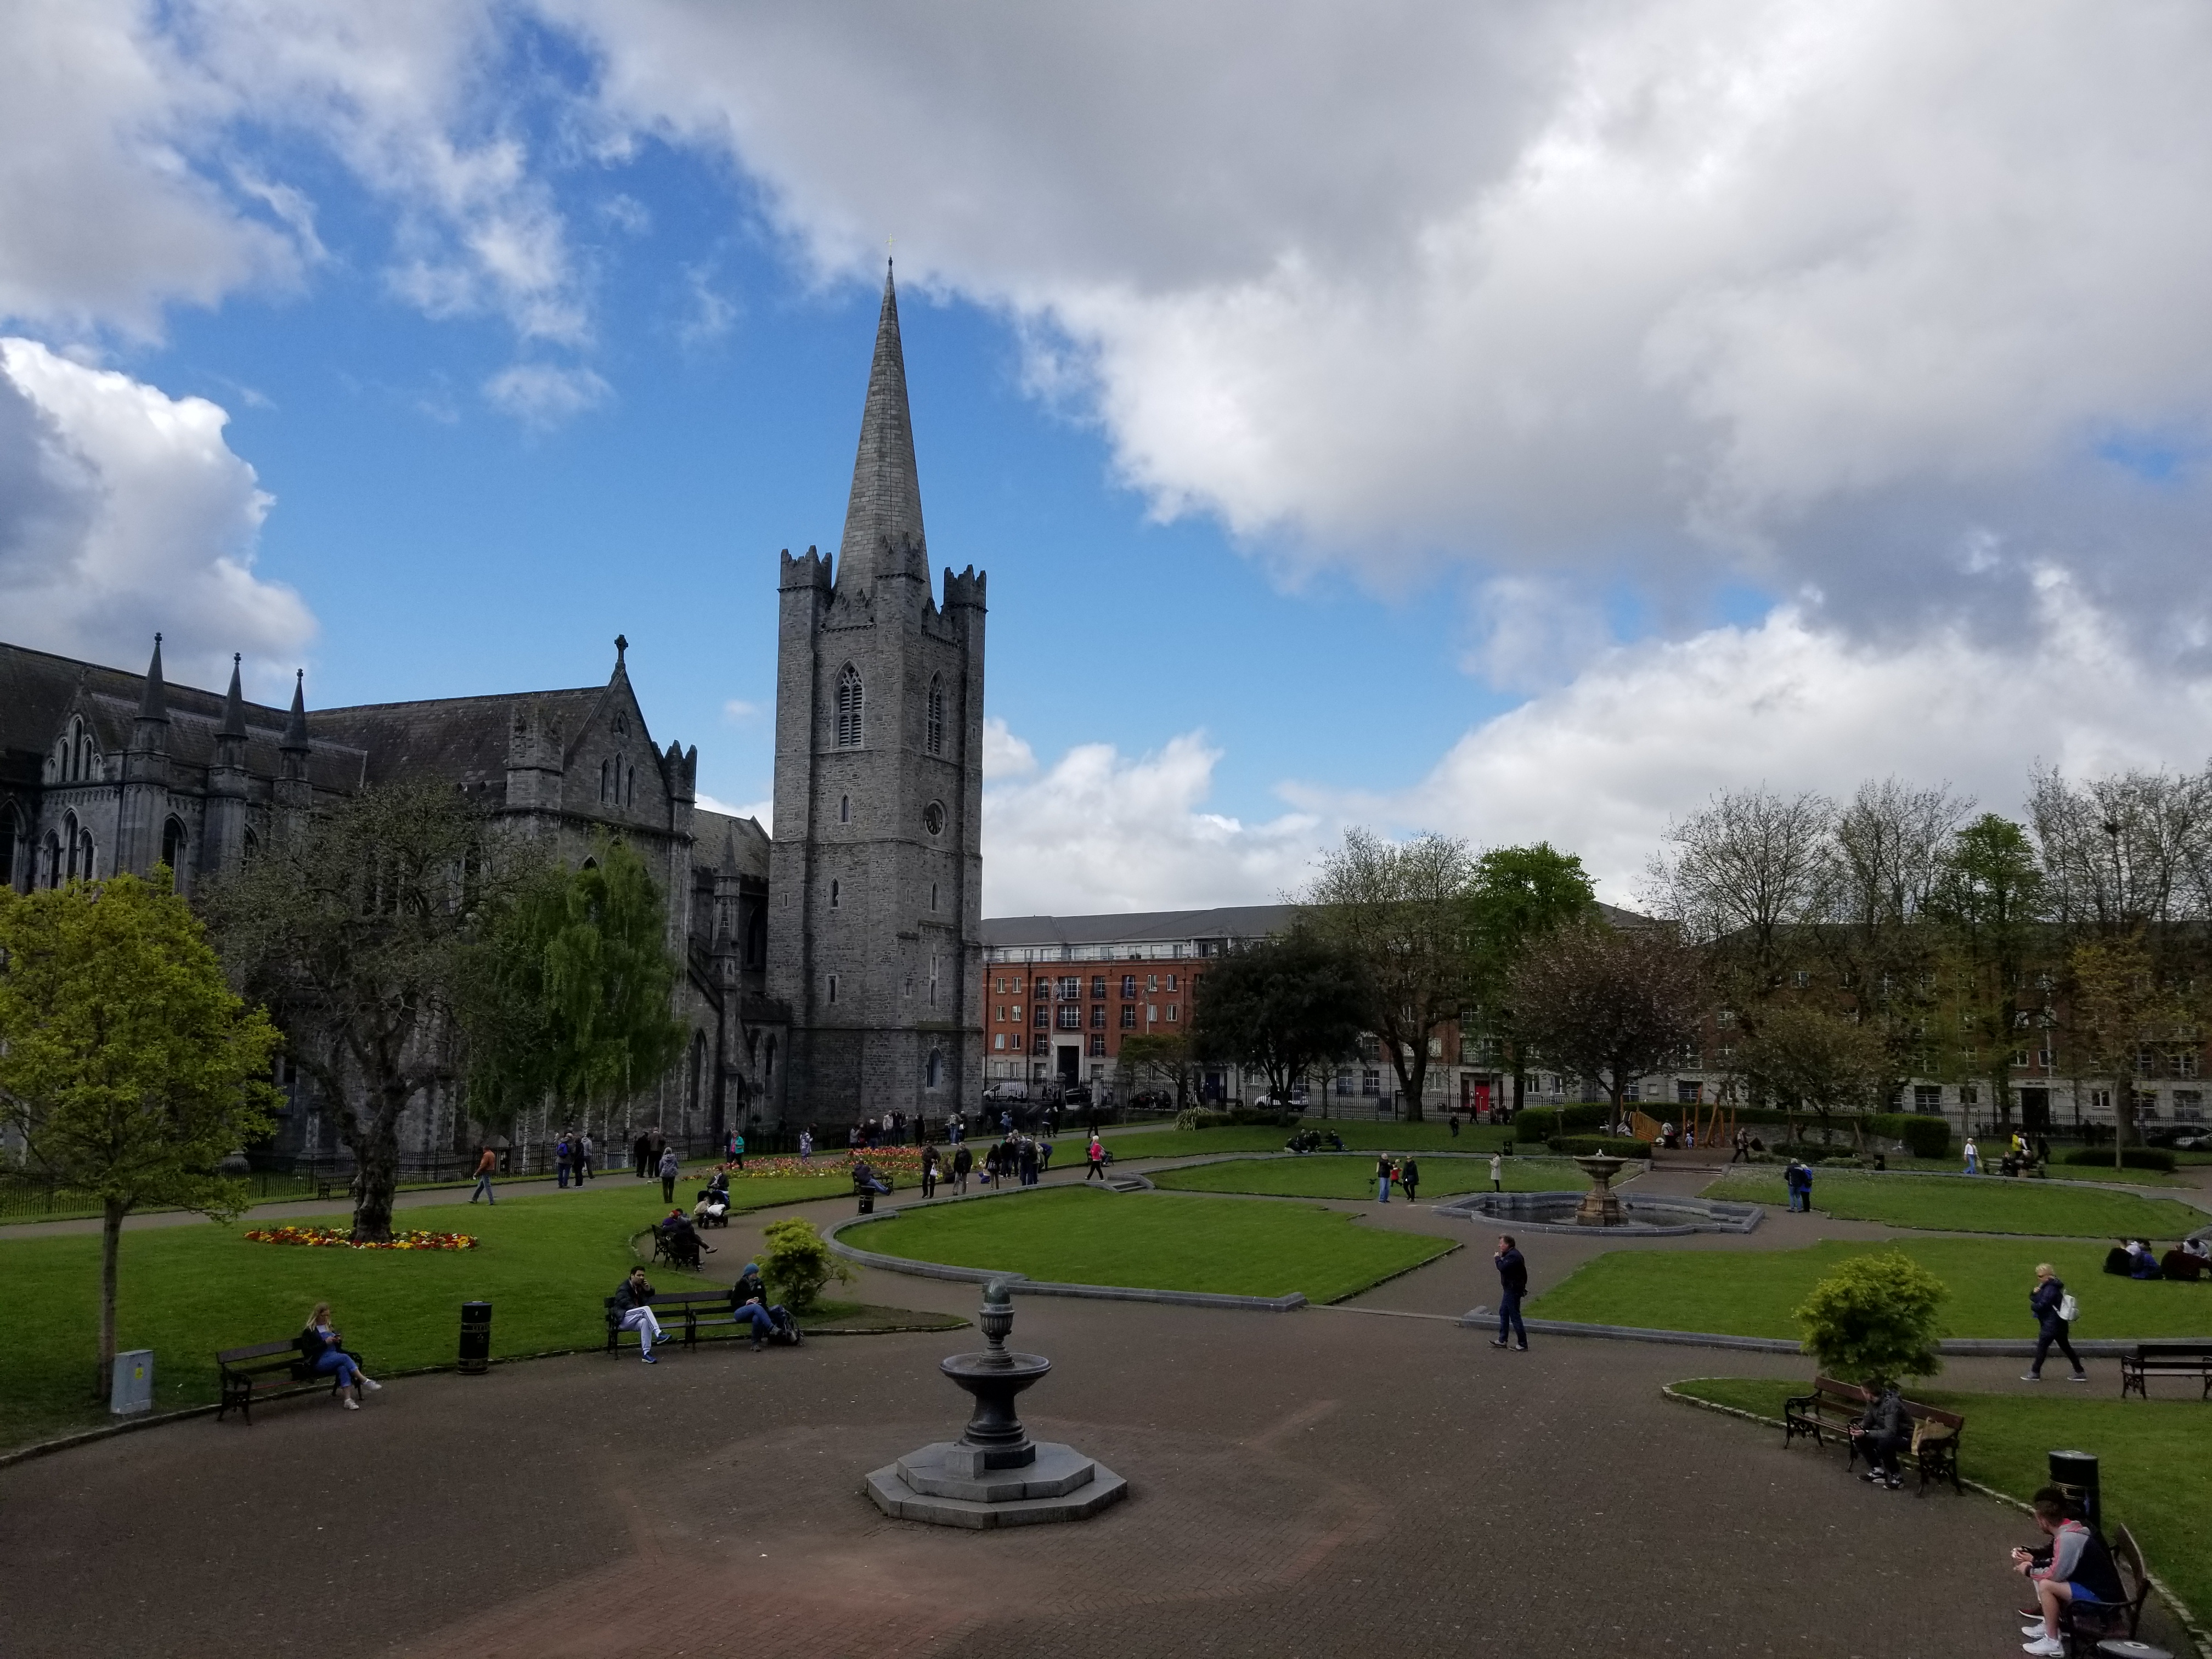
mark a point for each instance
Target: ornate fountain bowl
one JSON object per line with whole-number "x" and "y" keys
{"x": 1601, "y": 1205}
{"x": 994, "y": 1378}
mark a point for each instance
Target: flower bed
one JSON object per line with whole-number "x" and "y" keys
{"x": 902, "y": 1160}
{"x": 336, "y": 1238}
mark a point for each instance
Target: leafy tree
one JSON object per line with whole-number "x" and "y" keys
{"x": 797, "y": 1263}
{"x": 1153, "y": 1060}
{"x": 364, "y": 931}
{"x": 1616, "y": 1004}
{"x": 1876, "y": 1319}
{"x": 127, "y": 1064}
{"x": 1520, "y": 895}
{"x": 1283, "y": 1005}
{"x": 1400, "y": 914}
{"x": 1987, "y": 903}
{"x": 1808, "y": 1057}
{"x": 575, "y": 1004}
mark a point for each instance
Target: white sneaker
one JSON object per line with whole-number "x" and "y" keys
{"x": 2035, "y": 1629}
{"x": 2047, "y": 1648}
{"x": 351, "y": 1404}
{"x": 374, "y": 1388}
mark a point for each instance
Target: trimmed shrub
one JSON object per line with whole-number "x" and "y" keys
{"x": 1542, "y": 1122}
{"x": 797, "y": 1263}
{"x": 1874, "y": 1320}
{"x": 1591, "y": 1146}
{"x": 2132, "y": 1157}
{"x": 1924, "y": 1136}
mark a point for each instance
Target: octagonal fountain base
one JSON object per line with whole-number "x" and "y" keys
{"x": 1640, "y": 1217}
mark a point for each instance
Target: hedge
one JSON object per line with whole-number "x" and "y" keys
{"x": 1542, "y": 1122}
{"x": 2133, "y": 1158}
{"x": 1924, "y": 1136}
{"x": 1593, "y": 1145}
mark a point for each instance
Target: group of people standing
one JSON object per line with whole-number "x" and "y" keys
{"x": 1405, "y": 1173}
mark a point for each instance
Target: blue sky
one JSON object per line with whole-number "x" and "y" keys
{"x": 1513, "y": 421}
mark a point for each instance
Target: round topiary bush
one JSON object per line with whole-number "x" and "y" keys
{"x": 1876, "y": 1319}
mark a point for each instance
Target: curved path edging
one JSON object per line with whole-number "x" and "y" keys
{"x": 1022, "y": 1284}
{"x": 1482, "y": 1317}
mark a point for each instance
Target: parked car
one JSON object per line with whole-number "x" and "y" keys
{"x": 1076, "y": 1094}
{"x": 1006, "y": 1091}
{"x": 1152, "y": 1100}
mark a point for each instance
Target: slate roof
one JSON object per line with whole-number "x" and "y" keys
{"x": 463, "y": 740}
{"x": 721, "y": 842}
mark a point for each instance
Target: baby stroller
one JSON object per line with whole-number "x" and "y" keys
{"x": 714, "y": 1207}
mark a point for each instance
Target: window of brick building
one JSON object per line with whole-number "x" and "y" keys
{"x": 1042, "y": 1015}
{"x": 1098, "y": 1047}
{"x": 1174, "y": 1010}
{"x": 1098, "y": 985}
{"x": 1071, "y": 1017}
{"x": 1128, "y": 1016}
{"x": 1098, "y": 1016}
{"x": 1129, "y": 985}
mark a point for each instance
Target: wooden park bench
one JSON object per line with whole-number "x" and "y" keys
{"x": 665, "y": 1250}
{"x": 1834, "y": 1405}
{"x": 2166, "y": 1359}
{"x": 689, "y": 1308}
{"x": 276, "y": 1367}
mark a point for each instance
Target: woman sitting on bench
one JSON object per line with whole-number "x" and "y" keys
{"x": 748, "y": 1303}
{"x": 326, "y": 1356}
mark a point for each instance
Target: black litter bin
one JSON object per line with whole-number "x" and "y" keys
{"x": 2075, "y": 1473}
{"x": 476, "y": 1337}
{"x": 867, "y": 1202}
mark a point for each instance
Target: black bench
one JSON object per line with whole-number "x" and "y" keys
{"x": 866, "y": 1194}
{"x": 693, "y": 1309}
{"x": 1834, "y": 1405}
{"x": 664, "y": 1249}
{"x": 2166, "y": 1359}
{"x": 277, "y": 1367}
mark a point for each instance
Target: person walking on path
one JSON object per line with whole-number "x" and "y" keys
{"x": 1455, "y": 1126}
{"x": 963, "y": 1160}
{"x": 670, "y": 1167}
{"x": 1742, "y": 1146}
{"x": 1096, "y": 1153}
{"x": 486, "y": 1164}
{"x": 638, "y": 1149}
{"x": 585, "y": 1150}
{"x": 1030, "y": 1165}
{"x": 738, "y": 1147}
{"x": 561, "y": 1149}
{"x": 1973, "y": 1157}
{"x": 806, "y": 1145}
{"x": 1409, "y": 1176}
{"x": 1497, "y": 1172}
{"x": 632, "y": 1297}
{"x": 2054, "y": 1311}
{"x": 929, "y": 1171}
{"x": 1512, "y": 1285}
{"x": 1383, "y": 1178}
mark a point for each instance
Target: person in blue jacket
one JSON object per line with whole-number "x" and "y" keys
{"x": 2044, "y": 1301}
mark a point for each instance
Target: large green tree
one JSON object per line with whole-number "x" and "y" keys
{"x": 1283, "y": 1005}
{"x": 366, "y": 931}
{"x": 1987, "y": 904}
{"x": 128, "y": 1066}
{"x": 1398, "y": 912}
{"x": 1612, "y": 1003}
{"x": 1809, "y": 1058}
{"x": 1520, "y": 895}
{"x": 575, "y": 1005}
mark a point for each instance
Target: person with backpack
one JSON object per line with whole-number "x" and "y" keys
{"x": 2054, "y": 1309}
{"x": 561, "y": 1160}
{"x": 671, "y": 1167}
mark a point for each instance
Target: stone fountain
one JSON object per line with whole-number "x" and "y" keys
{"x": 994, "y": 1476}
{"x": 1601, "y": 1205}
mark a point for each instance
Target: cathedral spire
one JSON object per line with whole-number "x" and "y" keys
{"x": 296, "y": 725}
{"x": 155, "y": 704}
{"x": 234, "y": 706}
{"x": 883, "y": 520}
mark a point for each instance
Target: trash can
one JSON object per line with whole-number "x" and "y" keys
{"x": 476, "y": 1337}
{"x": 132, "y": 1387}
{"x": 867, "y": 1201}
{"x": 2074, "y": 1473}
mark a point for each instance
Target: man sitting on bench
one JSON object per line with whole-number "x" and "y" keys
{"x": 748, "y": 1303}
{"x": 682, "y": 1240}
{"x": 2081, "y": 1571}
{"x": 631, "y": 1297}
{"x": 1881, "y": 1434}
{"x": 865, "y": 1180}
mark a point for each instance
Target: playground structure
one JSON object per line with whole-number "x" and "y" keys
{"x": 1704, "y": 1124}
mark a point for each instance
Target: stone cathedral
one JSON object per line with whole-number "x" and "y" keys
{"x": 831, "y": 971}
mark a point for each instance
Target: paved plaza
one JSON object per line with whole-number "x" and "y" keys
{"x": 1371, "y": 1479}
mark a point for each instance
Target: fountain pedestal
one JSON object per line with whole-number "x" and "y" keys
{"x": 1601, "y": 1205}
{"x": 994, "y": 1476}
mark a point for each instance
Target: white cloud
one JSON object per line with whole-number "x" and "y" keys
{"x": 1005, "y": 755}
{"x": 738, "y": 712}
{"x": 544, "y": 394}
{"x": 763, "y": 809}
{"x": 122, "y": 512}
{"x": 1100, "y": 831}
{"x": 1648, "y": 733}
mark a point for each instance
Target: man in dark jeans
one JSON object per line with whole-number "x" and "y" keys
{"x": 1883, "y": 1431}
{"x": 1512, "y": 1285}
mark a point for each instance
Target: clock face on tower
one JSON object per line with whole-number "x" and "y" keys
{"x": 933, "y": 817}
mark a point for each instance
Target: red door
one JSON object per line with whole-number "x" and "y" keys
{"x": 1478, "y": 1102}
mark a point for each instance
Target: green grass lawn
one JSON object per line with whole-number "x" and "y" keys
{"x": 545, "y": 1262}
{"x": 2154, "y": 1458}
{"x": 1157, "y": 1241}
{"x": 1360, "y": 1136}
{"x": 1752, "y": 1293}
{"x": 2046, "y": 1209}
{"x": 1326, "y": 1176}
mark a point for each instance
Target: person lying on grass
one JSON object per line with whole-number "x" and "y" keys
{"x": 2081, "y": 1571}
{"x": 326, "y": 1354}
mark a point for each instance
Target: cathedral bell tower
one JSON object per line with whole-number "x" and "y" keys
{"x": 875, "y": 886}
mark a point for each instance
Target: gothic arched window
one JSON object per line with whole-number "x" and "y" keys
{"x": 936, "y": 714}
{"x": 172, "y": 844}
{"x": 69, "y": 849}
{"x": 53, "y": 860}
{"x": 936, "y": 1075}
{"x": 11, "y": 837}
{"x": 849, "y": 699}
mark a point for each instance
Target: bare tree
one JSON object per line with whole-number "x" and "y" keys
{"x": 1743, "y": 874}
{"x": 1616, "y": 1004}
{"x": 2121, "y": 1014}
{"x": 1400, "y": 914}
{"x": 2127, "y": 851}
{"x": 1891, "y": 842}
